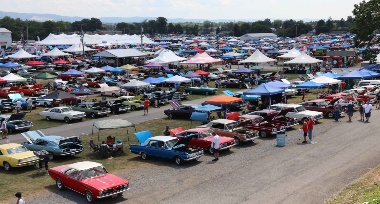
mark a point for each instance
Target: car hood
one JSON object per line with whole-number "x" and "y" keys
{"x": 183, "y": 142}
{"x": 17, "y": 116}
{"x": 312, "y": 113}
{"x": 105, "y": 181}
{"x": 221, "y": 138}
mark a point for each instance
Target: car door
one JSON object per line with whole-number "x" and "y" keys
{"x": 151, "y": 149}
{"x": 72, "y": 179}
{"x": 54, "y": 114}
{"x": 161, "y": 151}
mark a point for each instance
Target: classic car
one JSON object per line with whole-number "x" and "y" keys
{"x": 201, "y": 90}
{"x": 320, "y": 105}
{"x": 30, "y": 90}
{"x": 16, "y": 155}
{"x": 344, "y": 103}
{"x": 7, "y": 90}
{"x": 92, "y": 83}
{"x": 158, "y": 96}
{"x": 202, "y": 138}
{"x": 25, "y": 73}
{"x": 109, "y": 81}
{"x": 165, "y": 147}
{"x": 92, "y": 109}
{"x": 179, "y": 110}
{"x": 55, "y": 145}
{"x": 180, "y": 96}
{"x": 297, "y": 111}
{"x": 257, "y": 123}
{"x": 273, "y": 116}
{"x": 6, "y": 105}
{"x": 39, "y": 101}
{"x": 132, "y": 102}
{"x": 13, "y": 98}
{"x": 16, "y": 122}
{"x": 232, "y": 83}
{"x": 90, "y": 179}
{"x": 117, "y": 106}
{"x": 231, "y": 128}
{"x": 62, "y": 113}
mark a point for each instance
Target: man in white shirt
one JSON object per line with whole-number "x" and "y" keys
{"x": 367, "y": 111}
{"x": 18, "y": 105}
{"x": 216, "y": 146}
{"x": 30, "y": 104}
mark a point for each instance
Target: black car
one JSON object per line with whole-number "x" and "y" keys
{"x": 153, "y": 97}
{"x": 16, "y": 122}
{"x": 6, "y": 105}
{"x": 232, "y": 83}
{"x": 179, "y": 110}
{"x": 116, "y": 106}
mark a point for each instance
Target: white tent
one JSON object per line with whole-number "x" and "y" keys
{"x": 134, "y": 84}
{"x": 94, "y": 70}
{"x": 120, "y": 53}
{"x": 21, "y": 54}
{"x": 326, "y": 80}
{"x": 211, "y": 50}
{"x": 233, "y": 54}
{"x": 104, "y": 88}
{"x": 293, "y": 53}
{"x": 257, "y": 57}
{"x": 13, "y": 78}
{"x": 167, "y": 56}
{"x": 303, "y": 58}
{"x": 378, "y": 59}
{"x": 55, "y": 53}
{"x": 77, "y": 48}
{"x": 177, "y": 79}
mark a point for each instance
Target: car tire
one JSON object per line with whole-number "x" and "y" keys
{"x": 59, "y": 184}
{"x": 7, "y": 166}
{"x": 113, "y": 111}
{"x": 133, "y": 108}
{"x": 89, "y": 196}
{"x": 330, "y": 114}
{"x": 67, "y": 120}
{"x": 207, "y": 93}
{"x": 51, "y": 156}
{"x": 48, "y": 118}
{"x": 240, "y": 86}
{"x": 92, "y": 115}
{"x": 263, "y": 133}
{"x": 10, "y": 131}
{"x": 32, "y": 94}
{"x": 46, "y": 105}
{"x": 210, "y": 150}
{"x": 178, "y": 160}
{"x": 237, "y": 141}
{"x": 170, "y": 116}
{"x": 144, "y": 156}
{"x": 114, "y": 95}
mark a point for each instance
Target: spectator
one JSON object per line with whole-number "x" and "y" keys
{"x": 350, "y": 111}
{"x": 367, "y": 111}
{"x": 216, "y": 146}
{"x": 20, "y": 199}
{"x": 30, "y": 104}
{"x": 18, "y": 105}
{"x": 3, "y": 128}
{"x": 337, "y": 108}
{"x": 361, "y": 112}
{"x": 305, "y": 129}
{"x": 310, "y": 126}
{"x": 146, "y": 106}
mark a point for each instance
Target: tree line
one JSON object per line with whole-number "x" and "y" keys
{"x": 22, "y": 29}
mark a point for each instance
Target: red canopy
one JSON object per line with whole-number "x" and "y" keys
{"x": 224, "y": 99}
{"x": 198, "y": 49}
{"x": 61, "y": 61}
{"x": 34, "y": 63}
{"x": 201, "y": 72}
{"x": 325, "y": 56}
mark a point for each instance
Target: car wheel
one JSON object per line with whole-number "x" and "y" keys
{"x": 207, "y": 93}
{"x": 170, "y": 116}
{"x": 240, "y": 86}
{"x": 59, "y": 184}
{"x": 67, "y": 120}
{"x": 7, "y": 166}
{"x": 114, "y": 95}
{"x": 10, "y": 131}
{"x": 144, "y": 156}
{"x": 133, "y": 108}
{"x": 263, "y": 133}
{"x": 210, "y": 150}
{"x": 32, "y": 94}
{"x": 330, "y": 114}
{"x": 89, "y": 196}
{"x": 113, "y": 111}
{"x": 102, "y": 94}
{"x": 92, "y": 115}
{"x": 190, "y": 92}
{"x": 51, "y": 156}
{"x": 178, "y": 160}
{"x": 237, "y": 141}
{"x": 46, "y": 105}
{"x": 48, "y": 118}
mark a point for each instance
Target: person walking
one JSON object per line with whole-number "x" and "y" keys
{"x": 350, "y": 111}
{"x": 367, "y": 111}
{"x": 146, "y": 106}
{"x": 3, "y": 128}
{"x": 20, "y": 199}
{"x": 216, "y": 146}
{"x": 378, "y": 100}
{"x": 337, "y": 108}
{"x": 18, "y": 105}
{"x": 30, "y": 104}
{"x": 310, "y": 126}
{"x": 361, "y": 112}
{"x": 305, "y": 130}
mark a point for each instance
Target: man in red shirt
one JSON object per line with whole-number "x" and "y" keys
{"x": 310, "y": 125}
{"x": 146, "y": 106}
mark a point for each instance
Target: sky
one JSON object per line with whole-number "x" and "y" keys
{"x": 189, "y": 9}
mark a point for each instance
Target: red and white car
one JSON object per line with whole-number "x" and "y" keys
{"x": 90, "y": 179}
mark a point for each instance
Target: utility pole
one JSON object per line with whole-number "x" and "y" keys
{"x": 141, "y": 35}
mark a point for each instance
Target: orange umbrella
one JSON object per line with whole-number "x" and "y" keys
{"x": 223, "y": 99}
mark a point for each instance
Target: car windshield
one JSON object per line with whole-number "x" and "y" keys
{"x": 171, "y": 143}
{"x": 93, "y": 172}
{"x": 207, "y": 133}
{"x": 323, "y": 103}
{"x": 232, "y": 125}
{"x": 65, "y": 110}
{"x": 16, "y": 150}
{"x": 55, "y": 141}
{"x": 301, "y": 108}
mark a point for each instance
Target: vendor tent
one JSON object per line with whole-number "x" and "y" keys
{"x": 201, "y": 58}
{"x": 202, "y": 73}
{"x": 242, "y": 70}
{"x": 310, "y": 85}
{"x": 134, "y": 84}
{"x": 153, "y": 64}
{"x": 94, "y": 70}
{"x": 279, "y": 84}
{"x": 192, "y": 75}
{"x": 55, "y": 53}
{"x": 78, "y": 48}
{"x": 167, "y": 56}
{"x": 34, "y": 63}
{"x": 257, "y": 57}
{"x": 293, "y": 53}
{"x": 117, "y": 70}
{"x": 61, "y": 61}
{"x": 45, "y": 76}
{"x": 263, "y": 90}
{"x": 111, "y": 124}
{"x": 223, "y": 99}
{"x": 356, "y": 74}
{"x": 152, "y": 80}
{"x": 107, "y": 68}
{"x": 326, "y": 80}
{"x": 303, "y": 58}
{"x": 129, "y": 67}
{"x": 58, "y": 95}
{"x": 21, "y": 54}
{"x": 10, "y": 65}
{"x": 13, "y": 78}
{"x": 72, "y": 72}
{"x": 177, "y": 79}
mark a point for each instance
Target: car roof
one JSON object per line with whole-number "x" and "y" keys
{"x": 250, "y": 116}
{"x": 197, "y": 129}
{"x": 317, "y": 100}
{"x": 162, "y": 138}
{"x": 82, "y": 165}
{"x": 223, "y": 121}
{"x": 286, "y": 105}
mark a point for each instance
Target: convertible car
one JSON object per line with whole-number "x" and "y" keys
{"x": 90, "y": 179}
{"x": 165, "y": 147}
{"x": 55, "y": 145}
{"x": 16, "y": 122}
{"x": 201, "y": 90}
{"x": 16, "y": 155}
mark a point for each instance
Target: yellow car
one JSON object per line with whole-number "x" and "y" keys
{"x": 16, "y": 155}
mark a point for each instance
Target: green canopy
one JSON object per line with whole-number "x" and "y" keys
{"x": 45, "y": 75}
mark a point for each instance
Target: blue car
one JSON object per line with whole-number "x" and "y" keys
{"x": 165, "y": 147}
{"x": 55, "y": 145}
{"x": 13, "y": 98}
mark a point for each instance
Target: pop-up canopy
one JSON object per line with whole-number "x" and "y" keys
{"x": 223, "y": 99}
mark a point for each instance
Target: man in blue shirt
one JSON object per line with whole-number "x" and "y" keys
{"x": 350, "y": 111}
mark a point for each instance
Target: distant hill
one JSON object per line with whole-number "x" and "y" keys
{"x": 54, "y": 17}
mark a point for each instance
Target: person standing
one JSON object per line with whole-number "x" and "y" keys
{"x": 350, "y": 111}
{"x": 20, "y": 199}
{"x": 378, "y": 100}
{"x": 361, "y": 112}
{"x": 215, "y": 146}
{"x": 305, "y": 130}
{"x": 18, "y": 105}
{"x": 310, "y": 126}
{"x": 337, "y": 108}
{"x": 146, "y": 106}
{"x": 367, "y": 111}
{"x": 30, "y": 104}
{"x": 3, "y": 128}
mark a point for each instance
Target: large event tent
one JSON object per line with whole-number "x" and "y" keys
{"x": 303, "y": 58}
{"x": 201, "y": 58}
{"x": 356, "y": 74}
{"x": 94, "y": 70}
{"x": 293, "y": 53}
{"x": 21, "y": 54}
{"x": 257, "y": 57}
{"x": 134, "y": 84}
{"x": 77, "y": 48}
{"x": 55, "y": 53}
{"x": 326, "y": 80}
{"x": 167, "y": 56}
{"x": 120, "y": 53}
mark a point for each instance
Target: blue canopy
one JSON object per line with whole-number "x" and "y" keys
{"x": 192, "y": 75}
{"x": 310, "y": 85}
{"x": 355, "y": 75}
{"x": 117, "y": 70}
{"x": 278, "y": 84}
{"x": 162, "y": 78}
{"x": 331, "y": 75}
{"x": 207, "y": 108}
{"x": 107, "y": 68}
{"x": 226, "y": 57}
{"x": 152, "y": 80}
{"x": 263, "y": 90}
{"x": 10, "y": 65}
{"x": 72, "y": 72}
{"x": 226, "y": 48}
{"x": 370, "y": 72}
{"x": 242, "y": 70}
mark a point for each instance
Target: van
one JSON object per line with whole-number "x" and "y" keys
{"x": 367, "y": 82}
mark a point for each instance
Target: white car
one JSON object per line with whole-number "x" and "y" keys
{"x": 297, "y": 111}
{"x": 62, "y": 113}
{"x": 213, "y": 76}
